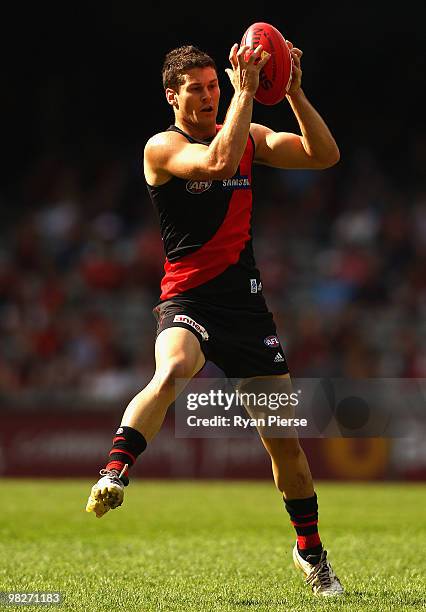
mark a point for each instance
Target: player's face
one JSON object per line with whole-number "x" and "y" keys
{"x": 198, "y": 97}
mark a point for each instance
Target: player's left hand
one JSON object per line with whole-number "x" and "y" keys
{"x": 296, "y": 80}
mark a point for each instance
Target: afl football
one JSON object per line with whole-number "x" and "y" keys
{"x": 275, "y": 76}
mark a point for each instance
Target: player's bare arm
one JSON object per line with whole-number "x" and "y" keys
{"x": 169, "y": 154}
{"x": 315, "y": 148}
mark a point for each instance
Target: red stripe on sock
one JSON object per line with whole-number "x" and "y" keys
{"x": 118, "y": 450}
{"x": 304, "y": 524}
{"x": 308, "y": 541}
{"x": 114, "y": 440}
{"x": 116, "y": 465}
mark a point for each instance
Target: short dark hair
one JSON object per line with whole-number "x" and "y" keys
{"x": 180, "y": 60}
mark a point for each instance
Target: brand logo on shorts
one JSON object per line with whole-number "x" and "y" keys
{"x": 199, "y": 328}
{"x": 197, "y": 187}
{"x": 255, "y": 286}
{"x": 272, "y": 342}
{"x": 278, "y": 358}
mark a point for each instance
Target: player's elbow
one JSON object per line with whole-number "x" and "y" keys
{"x": 330, "y": 159}
{"x": 222, "y": 169}
{"x": 228, "y": 172}
{"x": 334, "y": 156}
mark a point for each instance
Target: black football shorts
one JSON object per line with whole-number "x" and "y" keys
{"x": 242, "y": 342}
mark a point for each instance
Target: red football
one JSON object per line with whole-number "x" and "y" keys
{"x": 275, "y": 76}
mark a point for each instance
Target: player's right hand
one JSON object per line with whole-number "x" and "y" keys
{"x": 246, "y": 67}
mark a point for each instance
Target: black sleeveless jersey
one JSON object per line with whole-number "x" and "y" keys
{"x": 206, "y": 232}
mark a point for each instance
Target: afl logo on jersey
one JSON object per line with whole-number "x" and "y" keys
{"x": 198, "y": 187}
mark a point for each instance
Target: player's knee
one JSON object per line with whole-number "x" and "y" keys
{"x": 175, "y": 372}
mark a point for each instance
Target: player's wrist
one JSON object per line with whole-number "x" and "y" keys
{"x": 244, "y": 96}
{"x": 298, "y": 94}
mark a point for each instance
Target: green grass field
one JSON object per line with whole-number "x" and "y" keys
{"x": 206, "y": 546}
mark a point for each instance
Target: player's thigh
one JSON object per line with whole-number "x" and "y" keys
{"x": 178, "y": 351}
{"x": 263, "y": 396}
{"x": 266, "y": 394}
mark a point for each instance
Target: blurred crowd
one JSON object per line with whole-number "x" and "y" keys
{"x": 341, "y": 252}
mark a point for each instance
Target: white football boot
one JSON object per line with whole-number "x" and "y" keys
{"x": 320, "y": 577}
{"x": 107, "y": 493}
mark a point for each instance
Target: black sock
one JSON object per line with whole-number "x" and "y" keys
{"x": 127, "y": 445}
{"x": 304, "y": 517}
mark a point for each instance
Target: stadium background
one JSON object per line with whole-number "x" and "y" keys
{"x": 342, "y": 252}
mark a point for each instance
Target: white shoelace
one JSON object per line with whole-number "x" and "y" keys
{"x": 112, "y": 473}
{"x": 320, "y": 575}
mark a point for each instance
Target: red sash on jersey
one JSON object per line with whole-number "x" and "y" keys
{"x": 223, "y": 249}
